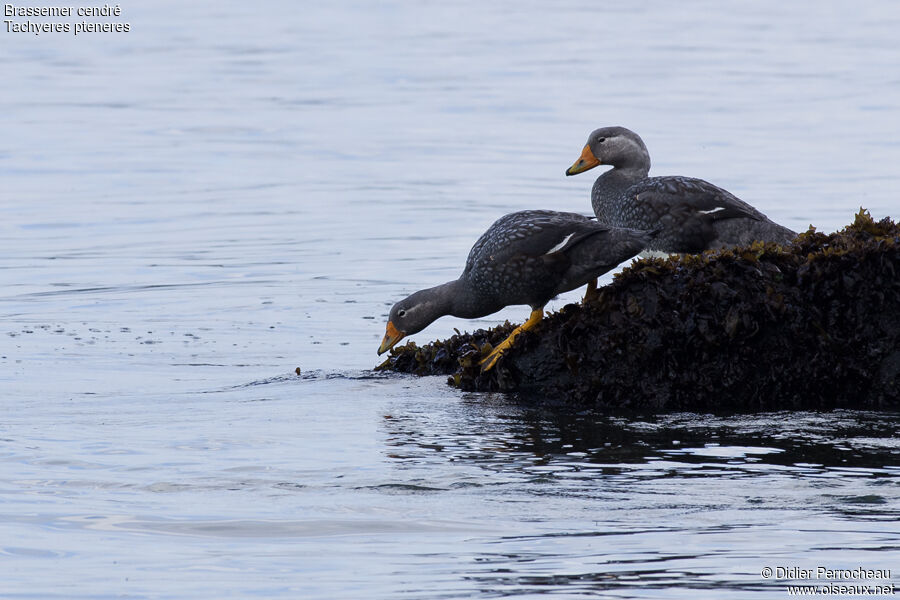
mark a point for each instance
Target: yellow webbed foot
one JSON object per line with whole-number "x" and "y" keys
{"x": 590, "y": 294}
{"x": 489, "y": 361}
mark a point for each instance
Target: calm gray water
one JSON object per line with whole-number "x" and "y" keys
{"x": 191, "y": 210}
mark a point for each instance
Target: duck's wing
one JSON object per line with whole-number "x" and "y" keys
{"x": 660, "y": 196}
{"x": 688, "y": 212}
{"x": 523, "y": 257}
{"x": 531, "y": 234}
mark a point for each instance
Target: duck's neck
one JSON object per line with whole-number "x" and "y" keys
{"x": 451, "y": 298}
{"x": 611, "y": 186}
{"x": 463, "y": 302}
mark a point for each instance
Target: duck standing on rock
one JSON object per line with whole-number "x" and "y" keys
{"x": 692, "y": 214}
{"x": 526, "y": 257}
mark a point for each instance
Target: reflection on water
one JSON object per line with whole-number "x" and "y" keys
{"x": 533, "y": 430}
{"x": 567, "y": 447}
{"x": 676, "y": 501}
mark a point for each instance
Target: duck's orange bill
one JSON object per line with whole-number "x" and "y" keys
{"x": 587, "y": 161}
{"x": 392, "y": 335}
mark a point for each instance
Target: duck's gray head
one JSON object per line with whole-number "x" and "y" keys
{"x": 615, "y": 146}
{"x": 413, "y": 314}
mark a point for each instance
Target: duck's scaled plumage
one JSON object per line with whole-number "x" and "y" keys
{"x": 692, "y": 214}
{"x": 525, "y": 257}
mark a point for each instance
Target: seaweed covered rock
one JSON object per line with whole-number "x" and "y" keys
{"x": 812, "y": 325}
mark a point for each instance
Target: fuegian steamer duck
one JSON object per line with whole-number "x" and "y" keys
{"x": 526, "y": 257}
{"x": 692, "y": 214}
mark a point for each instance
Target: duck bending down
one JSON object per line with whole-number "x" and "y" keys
{"x": 526, "y": 257}
{"x": 692, "y": 214}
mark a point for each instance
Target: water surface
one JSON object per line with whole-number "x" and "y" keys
{"x": 192, "y": 210}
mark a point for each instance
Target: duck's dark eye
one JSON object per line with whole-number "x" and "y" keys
{"x": 401, "y": 313}
{"x": 601, "y": 140}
